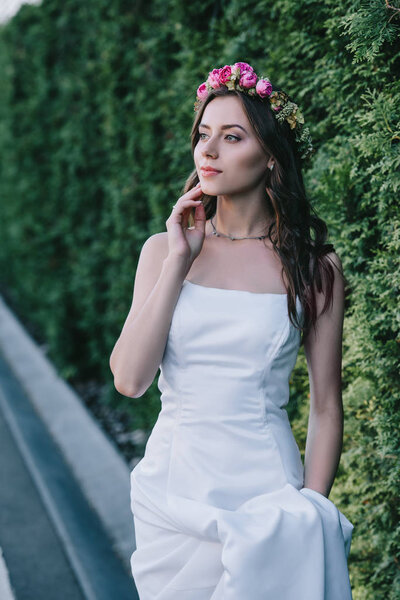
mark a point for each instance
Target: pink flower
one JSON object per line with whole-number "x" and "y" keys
{"x": 248, "y": 79}
{"x": 202, "y": 91}
{"x": 225, "y": 74}
{"x": 263, "y": 88}
{"x": 244, "y": 67}
{"x": 213, "y": 78}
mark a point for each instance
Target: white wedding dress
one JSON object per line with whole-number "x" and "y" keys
{"x": 219, "y": 506}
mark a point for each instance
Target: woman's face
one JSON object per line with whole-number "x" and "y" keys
{"x": 234, "y": 151}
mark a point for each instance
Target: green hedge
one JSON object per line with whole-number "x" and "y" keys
{"x": 96, "y": 105}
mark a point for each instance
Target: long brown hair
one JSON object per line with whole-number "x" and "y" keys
{"x": 303, "y": 255}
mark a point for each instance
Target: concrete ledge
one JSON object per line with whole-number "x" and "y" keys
{"x": 5, "y": 586}
{"x": 93, "y": 458}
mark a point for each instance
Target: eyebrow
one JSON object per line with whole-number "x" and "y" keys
{"x": 224, "y": 126}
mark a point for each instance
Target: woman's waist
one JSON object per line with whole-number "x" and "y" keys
{"x": 240, "y": 427}
{"x": 219, "y": 399}
{"x": 230, "y": 446}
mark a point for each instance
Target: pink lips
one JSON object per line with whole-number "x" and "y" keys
{"x": 207, "y": 171}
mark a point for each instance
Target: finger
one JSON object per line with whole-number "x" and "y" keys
{"x": 182, "y": 204}
{"x": 200, "y": 218}
{"x": 189, "y": 210}
{"x": 193, "y": 191}
{"x": 185, "y": 219}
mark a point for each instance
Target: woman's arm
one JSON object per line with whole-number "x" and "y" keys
{"x": 323, "y": 350}
{"x": 164, "y": 261}
{"x": 138, "y": 352}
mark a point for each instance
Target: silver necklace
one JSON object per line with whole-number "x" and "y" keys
{"x": 215, "y": 232}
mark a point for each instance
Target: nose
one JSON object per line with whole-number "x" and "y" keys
{"x": 209, "y": 149}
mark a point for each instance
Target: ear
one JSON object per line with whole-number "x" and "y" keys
{"x": 267, "y": 175}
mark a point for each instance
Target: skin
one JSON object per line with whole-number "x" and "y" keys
{"x": 240, "y": 188}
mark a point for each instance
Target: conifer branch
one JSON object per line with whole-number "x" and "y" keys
{"x": 393, "y": 8}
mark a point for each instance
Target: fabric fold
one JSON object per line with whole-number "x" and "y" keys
{"x": 219, "y": 508}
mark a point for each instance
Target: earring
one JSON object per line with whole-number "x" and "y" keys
{"x": 271, "y": 166}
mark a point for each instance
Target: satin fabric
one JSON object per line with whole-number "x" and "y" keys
{"x": 219, "y": 507}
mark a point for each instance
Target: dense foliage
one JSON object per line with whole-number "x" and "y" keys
{"x": 96, "y": 105}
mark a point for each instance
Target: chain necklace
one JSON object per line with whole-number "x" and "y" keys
{"x": 215, "y": 232}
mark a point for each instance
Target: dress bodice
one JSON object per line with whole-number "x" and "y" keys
{"x": 224, "y": 382}
{"x": 222, "y": 338}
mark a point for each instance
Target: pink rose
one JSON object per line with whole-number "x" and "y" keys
{"x": 202, "y": 91}
{"x": 248, "y": 79}
{"x": 263, "y": 88}
{"x": 244, "y": 67}
{"x": 225, "y": 74}
{"x": 213, "y": 78}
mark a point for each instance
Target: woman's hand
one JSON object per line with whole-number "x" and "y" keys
{"x": 183, "y": 242}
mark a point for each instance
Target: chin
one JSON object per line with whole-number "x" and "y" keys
{"x": 209, "y": 185}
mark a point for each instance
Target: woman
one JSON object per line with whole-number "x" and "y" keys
{"x": 223, "y": 507}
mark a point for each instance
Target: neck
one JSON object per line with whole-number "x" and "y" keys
{"x": 240, "y": 225}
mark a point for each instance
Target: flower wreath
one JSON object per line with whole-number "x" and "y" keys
{"x": 241, "y": 76}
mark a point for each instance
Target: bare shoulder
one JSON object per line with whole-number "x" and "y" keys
{"x": 329, "y": 303}
{"x": 335, "y": 259}
{"x": 336, "y": 294}
{"x": 157, "y": 244}
{"x": 153, "y": 253}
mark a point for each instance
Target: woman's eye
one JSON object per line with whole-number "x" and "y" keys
{"x": 228, "y": 136}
